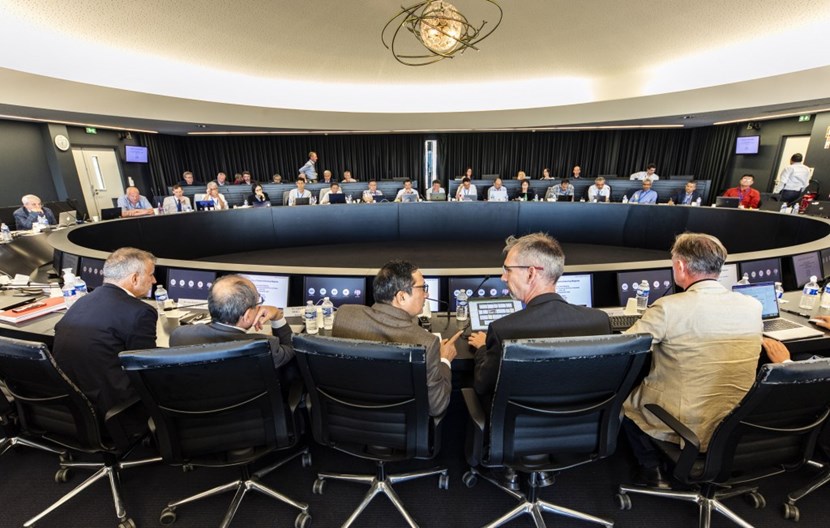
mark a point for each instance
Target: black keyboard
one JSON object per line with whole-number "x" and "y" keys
{"x": 622, "y": 322}
{"x": 773, "y": 325}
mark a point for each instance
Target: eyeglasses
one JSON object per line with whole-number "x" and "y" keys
{"x": 505, "y": 269}
{"x": 261, "y": 301}
{"x": 423, "y": 286}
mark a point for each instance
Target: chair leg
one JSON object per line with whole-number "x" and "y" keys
{"x": 37, "y": 445}
{"x": 373, "y": 491}
{"x": 705, "y": 504}
{"x": 393, "y": 497}
{"x": 820, "y": 480}
{"x": 719, "y": 507}
{"x": 120, "y": 510}
{"x": 567, "y": 512}
{"x": 265, "y": 490}
{"x": 98, "y": 475}
{"x": 523, "y": 508}
{"x": 205, "y": 494}
{"x": 235, "y": 502}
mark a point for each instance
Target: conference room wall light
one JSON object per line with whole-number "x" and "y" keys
{"x": 75, "y": 123}
{"x": 768, "y": 117}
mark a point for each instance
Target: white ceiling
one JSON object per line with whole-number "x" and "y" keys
{"x": 319, "y": 64}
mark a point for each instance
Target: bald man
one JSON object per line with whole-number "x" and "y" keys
{"x": 133, "y": 204}
{"x": 32, "y": 209}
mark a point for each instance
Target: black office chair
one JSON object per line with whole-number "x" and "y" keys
{"x": 10, "y": 433}
{"x": 557, "y": 405}
{"x": 218, "y": 405}
{"x": 369, "y": 400}
{"x": 773, "y": 429}
{"x": 51, "y": 408}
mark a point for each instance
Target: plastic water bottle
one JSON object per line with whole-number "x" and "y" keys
{"x": 744, "y": 279}
{"x": 825, "y": 297}
{"x": 80, "y": 287}
{"x": 462, "y": 310}
{"x": 245, "y": 203}
{"x": 783, "y": 208}
{"x": 642, "y": 296}
{"x": 310, "y": 316}
{"x": 160, "y": 209}
{"x": 6, "y": 233}
{"x": 68, "y": 290}
{"x": 625, "y": 199}
{"x": 328, "y": 314}
{"x": 779, "y": 292}
{"x": 795, "y": 209}
{"x": 809, "y": 294}
{"x": 161, "y": 297}
{"x": 697, "y": 202}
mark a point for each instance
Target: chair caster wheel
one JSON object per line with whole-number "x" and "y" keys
{"x": 62, "y": 475}
{"x": 305, "y": 460}
{"x": 469, "y": 479}
{"x": 319, "y": 485}
{"x": 755, "y": 499}
{"x": 444, "y": 481}
{"x": 66, "y": 457}
{"x": 791, "y": 512}
{"x": 167, "y": 517}
{"x": 303, "y": 520}
{"x": 127, "y": 523}
{"x": 186, "y": 468}
{"x": 623, "y": 501}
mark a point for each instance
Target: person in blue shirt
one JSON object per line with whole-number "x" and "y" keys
{"x": 309, "y": 170}
{"x": 32, "y": 209}
{"x": 645, "y": 195}
{"x": 133, "y": 204}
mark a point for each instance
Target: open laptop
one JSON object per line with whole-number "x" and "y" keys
{"x": 485, "y": 311}
{"x": 302, "y": 201}
{"x": 727, "y": 201}
{"x": 110, "y": 213}
{"x": 437, "y": 197}
{"x": 337, "y": 198}
{"x": 775, "y": 326}
{"x": 68, "y": 218}
{"x": 409, "y": 198}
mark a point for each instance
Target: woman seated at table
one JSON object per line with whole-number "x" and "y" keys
{"x": 525, "y": 194}
{"x": 258, "y": 197}
{"x": 213, "y": 195}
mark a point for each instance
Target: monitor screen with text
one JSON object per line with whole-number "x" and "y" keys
{"x": 806, "y": 265}
{"x": 272, "y": 288}
{"x": 576, "y": 289}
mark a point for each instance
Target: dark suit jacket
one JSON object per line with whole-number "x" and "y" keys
{"x": 24, "y": 219}
{"x": 91, "y": 334}
{"x": 547, "y": 315}
{"x": 681, "y": 194}
{"x": 281, "y": 349}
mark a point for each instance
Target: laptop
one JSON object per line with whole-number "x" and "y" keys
{"x": 337, "y": 198}
{"x": 301, "y": 201}
{"x": 485, "y": 311}
{"x": 468, "y": 197}
{"x": 204, "y": 205}
{"x": 110, "y": 213}
{"x": 727, "y": 201}
{"x": 409, "y": 198}
{"x": 775, "y": 326}
{"x": 68, "y": 218}
{"x": 437, "y": 197}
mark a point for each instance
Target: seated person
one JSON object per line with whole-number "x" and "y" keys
{"x": 30, "y": 213}
{"x": 646, "y": 174}
{"x": 276, "y": 178}
{"x": 466, "y": 191}
{"x": 237, "y": 178}
{"x": 334, "y": 188}
{"x": 646, "y": 195}
{"x": 526, "y": 193}
{"x": 258, "y": 197}
{"x": 407, "y": 191}
{"x": 327, "y": 178}
{"x": 213, "y": 195}
{"x": 687, "y": 196}
{"x": 546, "y": 174}
{"x": 247, "y": 179}
{"x": 576, "y": 173}
{"x": 178, "y": 203}
{"x": 436, "y": 189}
{"x": 299, "y": 191}
{"x": 521, "y": 175}
{"x": 372, "y": 194}
{"x": 235, "y": 308}
{"x": 134, "y": 204}
{"x": 468, "y": 173}
{"x": 222, "y": 179}
{"x": 347, "y": 177}
{"x": 599, "y": 192}
{"x": 400, "y": 291}
{"x": 187, "y": 180}
{"x": 498, "y": 192}
{"x": 749, "y": 197}
{"x": 563, "y": 192}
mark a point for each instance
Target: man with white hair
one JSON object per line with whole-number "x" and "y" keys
{"x": 32, "y": 209}
{"x": 134, "y": 204}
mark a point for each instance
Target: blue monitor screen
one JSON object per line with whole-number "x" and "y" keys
{"x": 189, "y": 286}
{"x": 767, "y": 270}
{"x": 339, "y": 290}
{"x": 660, "y": 283}
{"x": 476, "y": 287}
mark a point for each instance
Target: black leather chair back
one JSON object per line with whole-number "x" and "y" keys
{"x": 48, "y": 404}
{"x": 558, "y": 401}
{"x": 367, "y": 397}
{"x": 212, "y": 402}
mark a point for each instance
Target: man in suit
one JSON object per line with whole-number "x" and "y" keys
{"x": 707, "y": 342}
{"x": 235, "y": 307}
{"x": 532, "y": 267}
{"x": 178, "y": 203}
{"x": 400, "y": 291}
{"x": 111, "y": 319}
{"x": 28, "y": 214}
{"x": 688, "y": 196}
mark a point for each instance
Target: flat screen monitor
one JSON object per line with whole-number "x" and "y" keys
{"x": 272, "y": 288}
{"x": 476, "y": 287}
{"x": 805, "y": 265}
{"x": 747, "y": 144}
{"x": 136, "y": 154}
{"x": 825, "y": 262}
{"x": 339, "y": 290}
{"x": 189, "y": 286}
{"x": 660, "y": 283}
{"x": 576, "y": 289}
{"x": 767, "y": 270}
{"x": 729, "y": 275}
{"x": 91, "y": 271}
{"x": 69, "y": 260}
{"x": 434, "y": 293}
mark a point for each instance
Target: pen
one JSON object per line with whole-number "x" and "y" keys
{"x": 795, "y": 312}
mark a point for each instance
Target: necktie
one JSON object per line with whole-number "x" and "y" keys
{"x": 179, "y": 205}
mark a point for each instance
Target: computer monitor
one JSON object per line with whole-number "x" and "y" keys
{"x": 68, "y": 260}
{"x": 476, "y": 287}
{"x": 110, "y": 213}
{"x": 762, "y": 270}
{"x": 727, "y": 201}
{"x": 91, "y": 271}
{"x": 302, "y": 201}
{"x": 437, "y": 197}
{"x": 409, "y": 198}
{"x": 729, "y": 275}
{"x": 576, "y": 289}
{"x": 189, "y": 286}
{"x": 434, "y": 293}
{"x": 272, "y": 288}
{"x": 660, "y": 282}
{"x": 806, "y": 265}
{"x": 337, "y": 198}
{"x": 339, "y": 290}
{"x": 825, "y": 262}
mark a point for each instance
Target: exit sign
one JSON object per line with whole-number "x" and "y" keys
{"x": 803, "y": 118}
{"x": 91, "y": 130}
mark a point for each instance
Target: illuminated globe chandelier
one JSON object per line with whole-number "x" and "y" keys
{"x": 439, "y": 27}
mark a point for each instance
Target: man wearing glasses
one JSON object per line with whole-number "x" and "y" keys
{"x": 532, "y": 267}
{"x": 400, "y": 292}
{"x": 235, "y": 307}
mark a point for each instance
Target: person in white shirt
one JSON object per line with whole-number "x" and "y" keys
{"x": 178, "y": 203}
{"x": 372, "y": 194}
{"x": 347, "y": 177}
{"x": 334, "y": 188}
{"x": 436, "y": 189}
{"x": 599, "y": 192}
{"x": 649, "y": 173}
{"x": 497, "y": 193}
{"x": 407, "y": 191}
{"x": 213, "y": 195}
{"x": 298, "y": 192}
{"x": 793, "y": 180}
{"x": 466, "y": 191}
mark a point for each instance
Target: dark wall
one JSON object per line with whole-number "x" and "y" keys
{"x": 818, "y": 153}
{"x": 23, "y": 165}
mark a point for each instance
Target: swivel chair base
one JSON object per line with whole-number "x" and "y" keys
{"x": 790, "y": 510}
{"x": 241, "y": 486}
{"x": 381, "y": 483}
{"x": 529, "y": 504}
{"x": 10, "y": 442}
{"x": 708, "y": 499}
{"x": 109, "y": 469}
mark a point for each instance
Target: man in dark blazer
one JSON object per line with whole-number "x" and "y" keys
{"x": 687, "y": 196}
{"x": 532, "y": 266}
{"x": 235, "y": 307}
{"x": 111, "y": 319}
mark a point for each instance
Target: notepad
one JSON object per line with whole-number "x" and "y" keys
{"x": 38, "y": 308}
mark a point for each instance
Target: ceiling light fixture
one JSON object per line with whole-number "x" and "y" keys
{"x": 439, "y": 27}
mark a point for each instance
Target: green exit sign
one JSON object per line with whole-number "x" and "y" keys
{"x": 803, "y": 118}
{"x": 91, "y": 130}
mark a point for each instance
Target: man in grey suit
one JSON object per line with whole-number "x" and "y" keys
{"x": 235, "y": 307}
{"x": 400, "y": 291}
{"x": 178, "y": 203}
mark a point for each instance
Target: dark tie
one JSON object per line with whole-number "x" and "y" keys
{"x": 179, "y": 205}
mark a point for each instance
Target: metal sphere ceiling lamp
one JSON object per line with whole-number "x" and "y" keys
{"x": 439, "y": 27}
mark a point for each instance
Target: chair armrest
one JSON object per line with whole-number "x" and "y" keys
{"x": 474, "y": 441}
{"x": 691, "y": 447}
{"x": 474, "y": 407}
{"x": 295, "y": 395}
{"x": 121, "y": 424}
{"x": 114, "y": 412}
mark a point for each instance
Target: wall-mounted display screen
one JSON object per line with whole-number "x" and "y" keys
{"x": 339, "y": 290}
{"x": 762, "y": 270}
{"x": 660, "y": 283}
{"x": 747, "y": 144}
{"x": 135, "y": 154}
{"x": 189, "y": 286}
